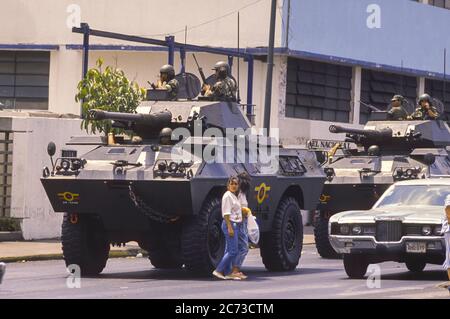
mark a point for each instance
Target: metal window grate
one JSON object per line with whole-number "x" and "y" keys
{"x": 6, "y": 159}
{"x": 318, "y": 91}
{"x": 389, "y": 231}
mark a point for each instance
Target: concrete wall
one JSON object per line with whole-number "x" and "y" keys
{"x": 29, "y": 201}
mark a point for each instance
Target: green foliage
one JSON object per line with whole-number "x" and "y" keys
{"x": 107, "y": 90}
{"x": 9, "y": 224}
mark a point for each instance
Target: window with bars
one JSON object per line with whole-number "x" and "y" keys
{"x": 318, "y": 91}
{"x": 6, "y": 153}
{"x": 24, "y": 78}
{"x": 436, "y": 89}
{"x": 378, "y": 88}
{"x": 440, "y": 3}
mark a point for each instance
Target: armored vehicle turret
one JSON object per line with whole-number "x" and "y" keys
{"x": 380, "y": 154}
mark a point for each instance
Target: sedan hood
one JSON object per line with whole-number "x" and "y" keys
{"x": 412, "y": 214}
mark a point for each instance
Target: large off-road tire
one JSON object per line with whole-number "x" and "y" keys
{"x": 322, "y": 240}
{"x": 355, "y": 266}
{"x": 281, "y": 248}
{"x": 202, "y": 239}
{"x": 163, "y": 246}
{"x": 415, "y": 265}
{"x": 84, "y": 243}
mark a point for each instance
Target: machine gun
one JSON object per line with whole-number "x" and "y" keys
{"x": 145, "y": 125}
{"x": 200, "y": 70}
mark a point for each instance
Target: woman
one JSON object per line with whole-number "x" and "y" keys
{"x": 446, "y": 232}
{"x": 232, "y": 221}
{"x": 244, "y": 187}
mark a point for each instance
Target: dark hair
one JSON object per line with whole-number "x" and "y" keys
{"x": 244, "y": 182}
{"x": 233, "y": 178}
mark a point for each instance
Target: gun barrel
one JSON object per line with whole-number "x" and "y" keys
{"x": 372, "y": 134}
{"x": 160, "y": 119}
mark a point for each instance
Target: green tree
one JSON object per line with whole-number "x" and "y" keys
{"x": 107, "y": 90}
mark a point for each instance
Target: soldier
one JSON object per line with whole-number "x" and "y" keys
{"x": 397, "y": 112}
{"x": 167, "y": 81}
{"x": 225, "y": 88}
{"x": 425, "y": 109}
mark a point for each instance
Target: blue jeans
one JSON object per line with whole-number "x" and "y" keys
{"x": 231, "y": 249}
{"x": 242, "y": 243}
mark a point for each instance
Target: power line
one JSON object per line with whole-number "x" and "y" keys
{"x": 204, "y": 23}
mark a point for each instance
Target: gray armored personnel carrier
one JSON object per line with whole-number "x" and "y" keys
{"x": 163, "y": 186}
{"x": 157, "y": 190}
{"x": 387, "y": 151}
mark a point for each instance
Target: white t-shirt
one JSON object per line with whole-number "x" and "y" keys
{"x": 242, "y": 200}
{"x": 231, "y": 206}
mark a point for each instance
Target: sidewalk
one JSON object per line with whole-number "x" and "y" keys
{"x": 19, "y": 251}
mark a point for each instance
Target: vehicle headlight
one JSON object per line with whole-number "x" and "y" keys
{"x": 344, "y": 229}
{"x": 438, "y": 230}
{"x": 426, "y": 230}
{"x": 65, "y": 164}
{"x": 356, "y": 230}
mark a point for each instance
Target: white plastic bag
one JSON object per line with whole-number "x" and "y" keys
{"x": 253, "y": 229}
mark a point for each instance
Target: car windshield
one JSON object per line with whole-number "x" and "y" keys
{"x": 414, "y": 195}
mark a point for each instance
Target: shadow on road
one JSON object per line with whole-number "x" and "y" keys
{"x": 254, "y": 274}
{"x": 423, "y": 276}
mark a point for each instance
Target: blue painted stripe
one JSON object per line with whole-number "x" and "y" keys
{"x": 365, "y": 64}
{"x": 46, "y": 47}
{"x": 280, "y": 51}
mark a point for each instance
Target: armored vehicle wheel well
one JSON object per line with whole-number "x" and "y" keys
{"x": 295, "y": 192}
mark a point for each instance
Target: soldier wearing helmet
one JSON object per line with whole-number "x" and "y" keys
{"x": 225, "y": 88}
{"x": 397, "y": 111}
{"x": 167, "y": 81}
{"x": 425, "y": 110}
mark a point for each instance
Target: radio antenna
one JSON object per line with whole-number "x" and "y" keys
{"x": 444, "y": 87}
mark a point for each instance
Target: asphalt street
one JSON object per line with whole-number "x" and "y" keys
{"x": 136, "y": 278}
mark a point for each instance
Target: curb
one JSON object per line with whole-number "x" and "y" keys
{"x": 112, "y": 254}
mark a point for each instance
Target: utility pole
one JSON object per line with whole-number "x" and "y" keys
{"x": 268, "y": 97}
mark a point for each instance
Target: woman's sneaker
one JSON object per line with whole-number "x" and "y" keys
{"x": 242, "y": 275}
{"x": 218, "y": 275}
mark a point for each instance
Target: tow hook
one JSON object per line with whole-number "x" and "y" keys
{"x": 74, "y": 218}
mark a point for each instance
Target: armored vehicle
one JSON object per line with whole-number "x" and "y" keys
{"x": 386, "y": 152}
{"x": 159, "y": 191}
{"x": 163, "y": 186}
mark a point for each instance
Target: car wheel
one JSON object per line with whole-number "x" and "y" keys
{"x": 84, "y": 243}
{"x": 281, "y": 248}
{"x": 322, "y": 240}
{"x": 355, "y": 266}
{"x": 202, "y": 240}
{"x": 416, "y": 266}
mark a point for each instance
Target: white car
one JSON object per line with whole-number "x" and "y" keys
{"x": 404, "y": 226}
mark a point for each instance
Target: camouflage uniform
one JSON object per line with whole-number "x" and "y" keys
{"x": 397, "y": 114}
{"x": 172, "y": 88}
{"x": 224, "y": 90}
{"x": 421, "y": 114}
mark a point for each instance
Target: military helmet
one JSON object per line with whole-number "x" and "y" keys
{"x": 397, "y": 97}
{"x": 165, "y": 136}
{"x": 425, "y": 97}
{"x": 169, "y": 70}
{"x": 373, "y": 150}
{"x": 223, "y": 68}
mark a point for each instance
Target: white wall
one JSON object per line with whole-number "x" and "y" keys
{"x": 29, "y": 200}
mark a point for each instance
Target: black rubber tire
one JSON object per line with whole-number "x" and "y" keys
{"x": 85, "y": 244}
{"x": 163, "y": 246}
{"x": 202, "y": 239}
{"x": 322, "y": 240}
{"x": 281, "y": 248}
{"x": 415, "y": 265}
{"x": 355, "y": 266}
